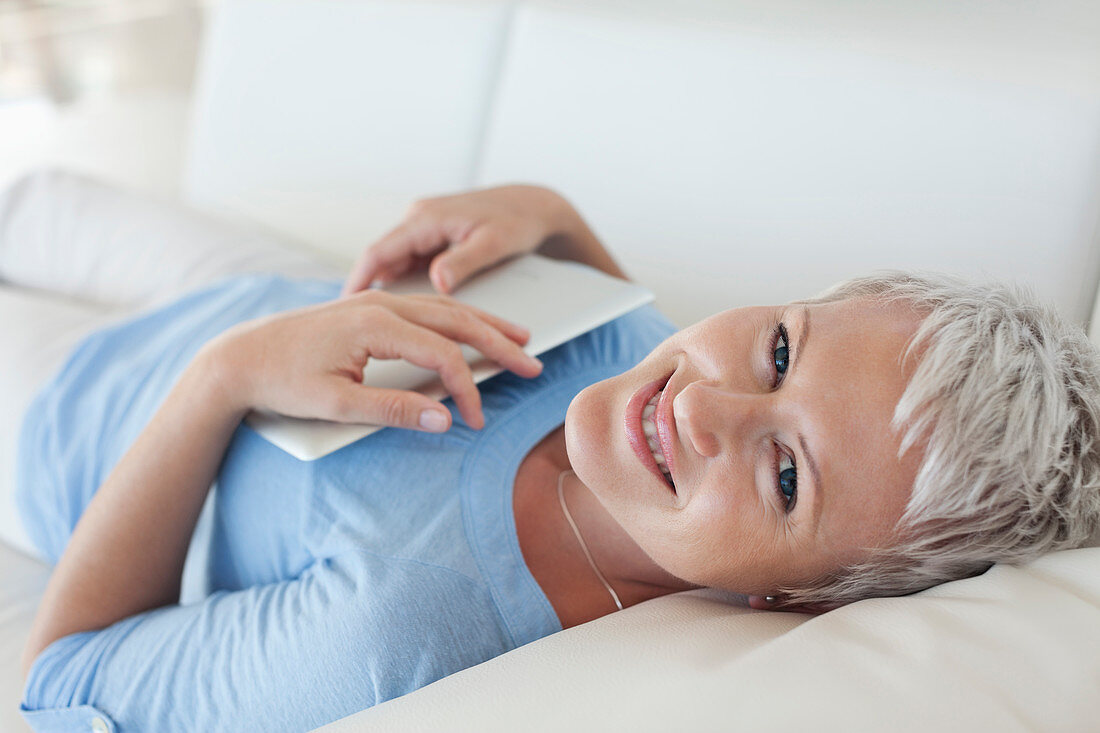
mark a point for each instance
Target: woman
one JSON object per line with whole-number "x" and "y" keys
{"x": 892, "y": 435}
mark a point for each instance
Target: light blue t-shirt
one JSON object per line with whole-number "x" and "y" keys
{"x": 334, "y": 584}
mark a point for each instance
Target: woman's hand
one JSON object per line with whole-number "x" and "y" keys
{"x": 463, "y": 234}
{"x": 309, "y": 362}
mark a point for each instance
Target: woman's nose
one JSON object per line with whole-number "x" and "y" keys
{"x": 707, "y": 416}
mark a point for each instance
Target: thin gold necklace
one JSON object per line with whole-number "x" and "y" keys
{"x": 565, "y": 510}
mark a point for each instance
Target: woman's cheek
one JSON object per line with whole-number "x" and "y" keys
{"x": 678, "y": 552}
{"x": 697, "y": 544}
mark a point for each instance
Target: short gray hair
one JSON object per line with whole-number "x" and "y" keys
{"x": 1005, "y": 401}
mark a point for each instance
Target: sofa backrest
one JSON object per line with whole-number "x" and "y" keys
{"x": 726, "y": 152}
{"x": 321, "y": 118}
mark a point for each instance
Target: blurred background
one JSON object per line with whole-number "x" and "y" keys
{"x": 102, "y": 85}
{"x": 705, "y": 141}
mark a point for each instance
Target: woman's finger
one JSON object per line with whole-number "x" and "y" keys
{"x": 389, "y": 336}
{"x": 412, "y": 239}
{"x": 518, "y": 333}
{"x": 387, "y": 273}
{"x": 357, "y": 403}
{"x": 482, "y": 248}
{"x": 466, "y": 324}
{"x": 372, "y": 261}
{"x": 362, "y": 274}
{"x": 393, "y": 253}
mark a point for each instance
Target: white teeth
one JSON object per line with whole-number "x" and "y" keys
{"x": 650, "y": 430}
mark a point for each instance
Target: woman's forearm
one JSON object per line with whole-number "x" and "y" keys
{"x": 126, "y": 553}
{"x": 574, "y": 240}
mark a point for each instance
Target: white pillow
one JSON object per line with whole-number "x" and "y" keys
{"x": 1014, "y": 649}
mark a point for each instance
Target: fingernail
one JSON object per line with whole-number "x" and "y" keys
{"x": 534, "y": 361}
{"x": 433, "y": 420}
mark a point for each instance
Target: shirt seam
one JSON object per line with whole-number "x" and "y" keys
{"x": 384, "y": 556}
{"x": 318, "y": 511}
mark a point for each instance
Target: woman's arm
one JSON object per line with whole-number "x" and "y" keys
{"x": 459, "y": 235}
{"x": 127, "y": 552}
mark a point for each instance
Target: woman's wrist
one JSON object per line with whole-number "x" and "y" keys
{"x": 562, "y": 219}
{"x": 218, "y": 372}
{"x": 570, "y": 237}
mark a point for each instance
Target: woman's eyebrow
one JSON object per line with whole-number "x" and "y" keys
{"x": 803, "y": 337}
{"x": 819, "y": 493}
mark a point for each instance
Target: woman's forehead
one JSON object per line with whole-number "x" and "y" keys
{"x": 854, "y": 369}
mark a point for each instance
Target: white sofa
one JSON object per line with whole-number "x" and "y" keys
{"x": 727, "y": 152}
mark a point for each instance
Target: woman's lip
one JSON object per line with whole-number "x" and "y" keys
{"x": 665, "y": 422}
{"x": 635, "y": 435}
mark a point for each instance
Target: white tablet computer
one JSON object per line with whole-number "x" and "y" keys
{"x": 554, "y": 299}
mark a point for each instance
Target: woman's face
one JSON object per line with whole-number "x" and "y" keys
{"x": 745, "y": 425}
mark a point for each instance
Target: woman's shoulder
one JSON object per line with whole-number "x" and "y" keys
{"x": 269, "y": 291}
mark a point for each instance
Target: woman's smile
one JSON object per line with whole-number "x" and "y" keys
{"x": 635, "y": 424}
{"x": 649, "y": 427}
{"x": 665, "y": 426}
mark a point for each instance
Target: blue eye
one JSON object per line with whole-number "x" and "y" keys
{"x": 786, "y": 483}
{"x": 786, "y": 474}
{"x": 780, "y": 352}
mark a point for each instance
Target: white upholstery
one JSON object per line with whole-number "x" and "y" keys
{"x": 323, "y": 118}
{"x": 744, "y": 152}
{"x": 750, "y": 155}
{"x": 728, "y": 151}
{"x": 1094, "y": 327}
{"x": 22, "y": 581}
{"x": 134, "y": 140}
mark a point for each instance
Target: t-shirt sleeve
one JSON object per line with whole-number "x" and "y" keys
{"x": 292, "y": 655}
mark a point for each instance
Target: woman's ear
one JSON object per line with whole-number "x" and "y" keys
{"x": 761, "y": 603}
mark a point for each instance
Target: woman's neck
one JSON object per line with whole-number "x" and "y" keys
{"x": 553, "y": 554}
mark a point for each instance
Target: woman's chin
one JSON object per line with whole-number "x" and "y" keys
{"x": 572, "y": 430}
{"x": 586, "y": 441}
